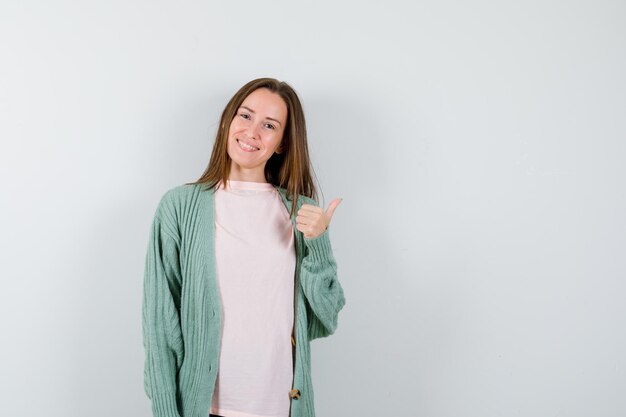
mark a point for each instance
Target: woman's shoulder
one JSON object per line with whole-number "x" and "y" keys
{"x": 182, "y": 190}
{"x": 175, "y": 198}
{"x": 173, "y": 194}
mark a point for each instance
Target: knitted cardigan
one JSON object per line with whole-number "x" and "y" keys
{"x": 181, "y": 306}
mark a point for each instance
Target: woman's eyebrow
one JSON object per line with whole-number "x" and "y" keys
{"x": 252, "y": 111}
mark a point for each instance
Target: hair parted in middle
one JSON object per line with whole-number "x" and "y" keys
{"x": 290, "y": 168}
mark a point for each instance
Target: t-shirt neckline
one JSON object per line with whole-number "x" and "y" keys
{"x": 249, "y": 185}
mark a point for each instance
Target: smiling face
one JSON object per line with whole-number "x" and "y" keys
{"x": 255, "y": 133}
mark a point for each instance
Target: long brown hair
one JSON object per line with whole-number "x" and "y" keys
{"x": 291, "y": 168}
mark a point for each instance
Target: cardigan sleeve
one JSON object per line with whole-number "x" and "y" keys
{"x": 324, "y": 294}
{"x": 162, "y": 335}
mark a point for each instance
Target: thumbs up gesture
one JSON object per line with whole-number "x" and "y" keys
{"x": 313, "y": 221}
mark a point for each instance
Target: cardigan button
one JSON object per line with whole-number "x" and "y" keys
{"x": 294, "y": 393}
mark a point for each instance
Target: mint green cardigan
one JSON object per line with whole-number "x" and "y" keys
{"x": 181, "y": 307}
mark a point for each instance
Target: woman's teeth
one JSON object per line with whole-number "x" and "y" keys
{"x": 246, "y": 147}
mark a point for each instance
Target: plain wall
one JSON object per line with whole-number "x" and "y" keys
{"x": 479, "y": 148}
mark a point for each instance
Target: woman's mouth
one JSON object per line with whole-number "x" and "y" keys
{"x": 246, "y": 147}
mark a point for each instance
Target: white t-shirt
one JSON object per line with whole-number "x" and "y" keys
{"x": 256, "y": 260}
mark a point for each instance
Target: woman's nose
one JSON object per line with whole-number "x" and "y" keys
{"x": 253, "y": 130}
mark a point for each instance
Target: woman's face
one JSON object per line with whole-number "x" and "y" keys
{"x": 255, "y": 133}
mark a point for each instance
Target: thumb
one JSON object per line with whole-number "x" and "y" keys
{"x": 332, "y": 207}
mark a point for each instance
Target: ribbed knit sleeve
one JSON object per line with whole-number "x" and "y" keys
{"x": 162, "y": 336}
{"x": 321, "y": 286}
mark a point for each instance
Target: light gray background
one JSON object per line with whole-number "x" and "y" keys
{"x": 479, "y": 148}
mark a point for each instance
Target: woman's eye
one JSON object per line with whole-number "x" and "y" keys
{"x": 245, "y": 116}
{"x": 270, "y": 126}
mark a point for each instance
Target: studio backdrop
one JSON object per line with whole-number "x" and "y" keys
{"x": 478, "y": 146}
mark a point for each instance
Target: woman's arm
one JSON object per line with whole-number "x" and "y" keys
{"x": 321, "y": 287}
{"x": 162, "y": 336}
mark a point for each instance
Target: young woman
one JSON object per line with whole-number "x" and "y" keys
{"x": 239, "y": 274}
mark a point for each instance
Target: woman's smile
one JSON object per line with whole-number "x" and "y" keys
{"x": 246, "y": 147}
